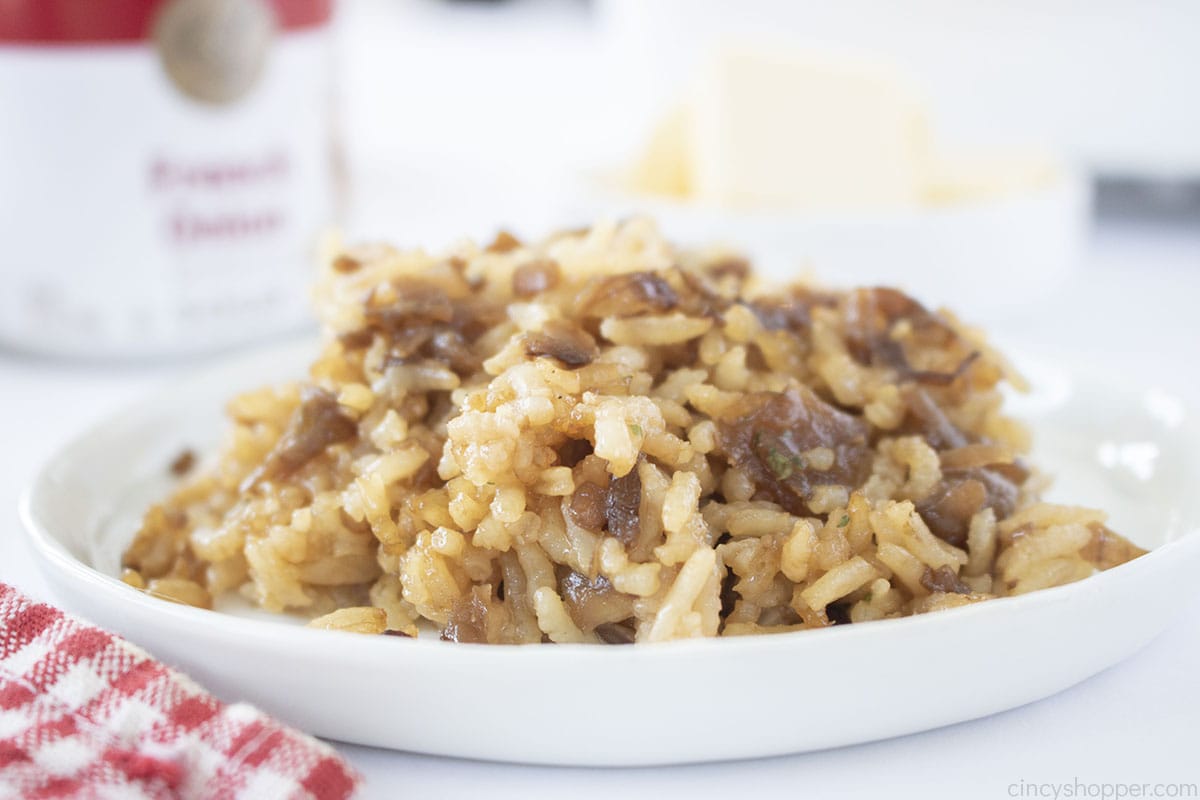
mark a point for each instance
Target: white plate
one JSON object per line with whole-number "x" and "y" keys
{"x": 1132, "y": 453}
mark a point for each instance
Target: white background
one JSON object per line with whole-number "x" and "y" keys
{"x": 1131, "y": 312}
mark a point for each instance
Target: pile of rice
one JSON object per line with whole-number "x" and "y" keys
{"x": 600, "y": 438}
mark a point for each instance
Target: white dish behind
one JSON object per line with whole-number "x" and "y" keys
{"x": 992, "y": 258}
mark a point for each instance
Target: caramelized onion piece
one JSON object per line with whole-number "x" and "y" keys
{"x": 407, "y": 344}
{"x": 406, "y": 323}
{"x": 316, "y": 425}
{"x": 564, "y": 341}
{"x": 791, "y": 312}
{"x": 468, "y": 621}
{"x": 949, "y": 509}
{"x": 357, "y": 340}
{"x": 616, "y": 633}
{"x": 870, "y": 317}
{"x": 573, "y": 451}
{"x": 934, "y": 378}
{"x": 729, "y": 595}
{"x": 838, "y": 613}
{"x": 730, "y": 266}
{"x": 594, "y": 602}
{"x": 534, "y": 277}
{"x": 474, "y": 316}
{"x": 417, "y": 302}
{"x": 943, "y": 579}
{"x": 1015, "y": 472}
{"x": 871, "y": 313}
{"x": 424, "y": 323}
{"x": 504, "y": 242}
{"x": 766, "y": 433}
{"x": 927, "y": 418}
{"x": 961, "y": 494}
{"x": 697, "y": 297}
{"x": 587, "y": 508}
{"x": 1108, "y": 548}
{"x": 183, "y": 463}
{"x": 1002, "y": 492}
{"x": 451, "y": 347}
{"x": 621, "y": 510}
{"x": 628, "y": 294}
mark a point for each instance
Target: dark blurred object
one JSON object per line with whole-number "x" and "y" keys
{"x": 1148, "y": 200}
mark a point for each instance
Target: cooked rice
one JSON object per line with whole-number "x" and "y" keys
{"x": 599, "y": 438}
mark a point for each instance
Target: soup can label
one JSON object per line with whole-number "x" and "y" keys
{"x": 167, "y": 167}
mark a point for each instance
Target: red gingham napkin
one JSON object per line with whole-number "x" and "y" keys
{"x": 85, "y": 714}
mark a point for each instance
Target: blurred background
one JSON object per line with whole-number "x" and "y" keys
{"x": 547, "y": 88}
{"x": 171, "y": 169}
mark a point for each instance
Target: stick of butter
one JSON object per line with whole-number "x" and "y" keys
{"x": 764, "y": 128}
{"x": 816, "y": 132}
{"x": 806, "y": 131}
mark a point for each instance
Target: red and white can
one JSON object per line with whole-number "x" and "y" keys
{"x": 166, "y": 168}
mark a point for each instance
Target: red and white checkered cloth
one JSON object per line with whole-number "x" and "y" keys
{"x": 85, "y": 714}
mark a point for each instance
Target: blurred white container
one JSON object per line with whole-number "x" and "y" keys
{"x": 166, "y": 168}
{"x": 986, "y": 260}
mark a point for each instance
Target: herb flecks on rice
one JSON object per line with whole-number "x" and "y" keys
{"x": 599, "y": 438}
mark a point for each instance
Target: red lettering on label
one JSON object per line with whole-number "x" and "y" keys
{"x": 188, "y": 228}
{"x": 167, "y": 175}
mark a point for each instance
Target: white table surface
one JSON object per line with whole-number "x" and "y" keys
{"x": 1133, "y": 310}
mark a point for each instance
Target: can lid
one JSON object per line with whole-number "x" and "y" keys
{"x": 122, "y": 21}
